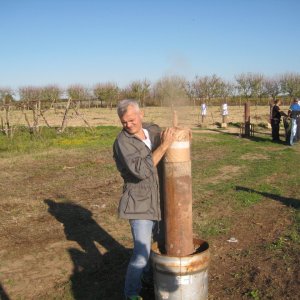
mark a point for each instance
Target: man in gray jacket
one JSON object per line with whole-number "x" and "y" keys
{"x": 137, "y": 152}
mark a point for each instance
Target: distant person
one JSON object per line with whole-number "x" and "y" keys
{"x": 137, "y": 155}
{"x": 224, "y": 113}
{"x": 203, "y": 111}
{"x": 276, "y": 114}
{"x": 294, "y": 114}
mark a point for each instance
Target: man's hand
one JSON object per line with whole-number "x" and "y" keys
{"x": 167, "y": 137}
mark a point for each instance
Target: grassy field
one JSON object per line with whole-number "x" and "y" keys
{"x": 188, "y": 116}
{"x": 60, "y": 237}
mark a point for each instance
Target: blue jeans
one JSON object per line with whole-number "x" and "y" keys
{"x": 139, "y": 264}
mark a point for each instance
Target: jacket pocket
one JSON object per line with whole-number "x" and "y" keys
{"x": 139, "y": 201}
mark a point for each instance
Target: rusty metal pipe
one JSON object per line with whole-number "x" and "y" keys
{"x": 178, "y": 196}
{"x": 181, "y": 270}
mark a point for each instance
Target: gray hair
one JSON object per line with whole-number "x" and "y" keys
{"x": 123, "y": 105}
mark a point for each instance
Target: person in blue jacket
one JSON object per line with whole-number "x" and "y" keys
{"x": 294, "y": 114}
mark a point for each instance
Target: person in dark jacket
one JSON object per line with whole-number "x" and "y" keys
{"x": 275, "y": 120}
{"x": 137, "y": 152}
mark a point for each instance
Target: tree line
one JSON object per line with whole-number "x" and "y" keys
{"x": 170, "y": 90}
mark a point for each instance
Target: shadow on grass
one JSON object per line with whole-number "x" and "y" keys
{"x": 3, "y": 295}
{"x": 291, "y": 202}
{"x": 254, "y": 138}
{"x": 96, "y": 274}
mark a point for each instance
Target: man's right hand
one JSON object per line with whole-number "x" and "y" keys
{"x": 167, "y": 137}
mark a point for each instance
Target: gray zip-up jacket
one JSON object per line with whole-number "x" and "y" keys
{"x": 140, "y": 198}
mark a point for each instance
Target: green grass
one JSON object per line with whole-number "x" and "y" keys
{"x": 297, "y": 224}
{"x": 73, "y": 137}
{"x": 213, "y": 228}
{"x": 262, "y": 174}
{"x": 247, "y": 198}
{"x": 229, "y": 174}
{"x": 213, "y": 158}
{"x": 254, "y": 294}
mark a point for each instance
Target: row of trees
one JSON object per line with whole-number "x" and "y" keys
{"x": 172, "y": 90}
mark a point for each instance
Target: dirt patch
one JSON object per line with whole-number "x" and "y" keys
{"x": 227, "y": 172}
{"x": 257, "y": 156}
{"x": 50, "y": 237}
{"x": 251, "y": 264}
{"x": 60, "y": 237}
{"x": 224, "y": 173}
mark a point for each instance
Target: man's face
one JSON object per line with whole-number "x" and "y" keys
{"x": 132, "y": 120}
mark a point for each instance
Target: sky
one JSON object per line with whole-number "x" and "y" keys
{"x": 66, "y": 42}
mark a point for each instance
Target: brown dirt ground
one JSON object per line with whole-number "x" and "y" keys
{"x": 52, "y": 242}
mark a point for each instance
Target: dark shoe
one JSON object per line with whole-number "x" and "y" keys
{"x": 134, "y": 298}
{"x": 147, "y": 284}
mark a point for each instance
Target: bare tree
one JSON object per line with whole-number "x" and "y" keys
{"x": 258, "y": 87}
{"x": 250, "y": 85}
{"x": 201, "y": 87}
{"x": 106, "y": 92}
{"x": 78, "y": 92}
{"x": 30, "y": 94}
{"x": 139, "y": 90}
{"x": 31, "y": 97}
{"x": 51, "y": 93}
{"x": 208, "y": 87}
{"x": 243, "y": 85}
{"x": 190, "y": 92}
{"x": 171, "y": 91}
{"x": 290, "y": 84}
{"x": 6, "y": 97}
{"x": 271, "y": 87}
{"x": 225, "y": 90}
